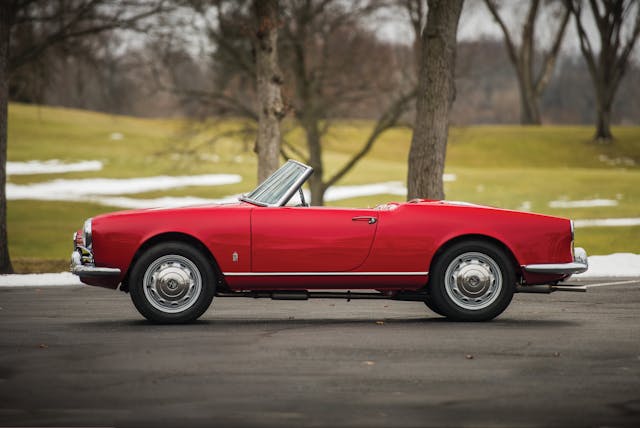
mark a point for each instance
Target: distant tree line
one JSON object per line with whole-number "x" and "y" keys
{"x": 107, "y": 75}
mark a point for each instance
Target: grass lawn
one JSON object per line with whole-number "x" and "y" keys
{"x": 505, "y": 166}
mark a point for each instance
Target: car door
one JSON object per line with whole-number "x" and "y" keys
{"x": 310, "y": 239}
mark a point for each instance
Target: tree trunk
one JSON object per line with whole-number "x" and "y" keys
{"x": 436, "y": 91}
{"x": 316, "y": 182}
{"x": 531, "y": 87}
{"x": 603, "y": 124}
{"x": 269, "y": 81}
{"x": 5, "y": 23}
{"x": 529, "y": 110}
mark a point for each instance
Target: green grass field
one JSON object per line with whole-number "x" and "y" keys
{"x": 504, "y": 166}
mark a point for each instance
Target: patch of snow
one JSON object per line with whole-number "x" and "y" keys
{"x": 337, "y": 193}
{"x": 165, "y": 202}
{"x": 39, "y": 280}
{"x": 588, "y": 203}
{"x": 52, "y": 166}
{"x": 208, "y": 157}
{"x": 525, "y": 206}
{"x": 79, "y": 190}
{"x": 621, "y": 161}
{"x": 615, "y": 265}
{"x": 607, "y": 222}
{"x": 116, "y": 136}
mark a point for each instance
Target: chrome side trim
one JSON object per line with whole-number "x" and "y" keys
{"x": 580, "y": 264}
{"x": 325, "y": 273}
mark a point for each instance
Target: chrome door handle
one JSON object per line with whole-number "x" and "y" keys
{"x": 370, "y": 220}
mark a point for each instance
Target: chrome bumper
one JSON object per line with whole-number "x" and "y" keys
{"x": 580, "y": 264}
{"x": 82, "y": 265}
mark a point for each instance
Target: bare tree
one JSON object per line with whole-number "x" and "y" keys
{"x": 530, "y": 84}
{"x": 7, "y": 15}
{"x": 329, "y": 72}
{"x": 609, "y": 65}
{"x": 269, "y": 80}
{"x": 333, "y": 71}
{"x": 50, "y": 24}
{"x": 436, "y": 91}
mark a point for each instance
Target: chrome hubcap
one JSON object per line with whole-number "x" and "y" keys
{"x": 473, "y": 281}
{"x": 172, "y": 283}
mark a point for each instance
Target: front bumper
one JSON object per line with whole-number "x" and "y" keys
{"x": 580, "y": 264}
{"x": 82, "y": 264}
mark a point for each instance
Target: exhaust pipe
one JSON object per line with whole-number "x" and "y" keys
{"x": 548, "y": 288}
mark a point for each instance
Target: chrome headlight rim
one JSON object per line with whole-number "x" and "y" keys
{"x": 87, "y": 237}
{"x": 573, "y": 231}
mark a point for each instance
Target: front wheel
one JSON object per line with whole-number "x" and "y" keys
{"x": 172, "y": 283}
{"x": 472, "y": 281}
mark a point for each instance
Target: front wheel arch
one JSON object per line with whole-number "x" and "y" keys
{"x": 174, "y": 237}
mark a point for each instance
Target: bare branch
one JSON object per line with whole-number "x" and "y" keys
{"x": 550, "y": 58}
{"x": 511, "y": 48}
{"x": 386, "y": 121}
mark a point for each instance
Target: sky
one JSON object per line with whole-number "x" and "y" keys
{"x": 476, "y": 22}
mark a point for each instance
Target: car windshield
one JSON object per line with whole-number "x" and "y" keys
{"x": 280, "y": 186}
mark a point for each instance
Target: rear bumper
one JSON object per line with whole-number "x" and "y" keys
{"x": 579, "y": 265}
{"x": 82, "y": 265}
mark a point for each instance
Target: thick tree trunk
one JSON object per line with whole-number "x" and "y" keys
{"x": 5, "y": 22}
{"x": 269, "y": 81}
{"x": 316, "y": 182}
{"x": 603, "y": 124}
{"x": 435, "y": 94}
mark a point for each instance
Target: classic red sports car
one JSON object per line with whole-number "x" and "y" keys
{"x": 463, "y": 261}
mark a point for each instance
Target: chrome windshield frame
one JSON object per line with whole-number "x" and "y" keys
{"x": 288, "y": 194}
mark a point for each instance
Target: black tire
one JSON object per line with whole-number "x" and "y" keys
{"x": 432, "y": 306}
{"x": 176, "y": 298}
{"x": 472, "y": 281}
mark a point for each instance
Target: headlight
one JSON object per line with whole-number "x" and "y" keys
{"x": 86, "y": 234}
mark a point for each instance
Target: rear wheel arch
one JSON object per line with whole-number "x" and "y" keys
{"x": 174, "y": 237}
{"x": 477, "y": 237}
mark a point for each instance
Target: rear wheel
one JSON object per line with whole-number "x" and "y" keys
{"x": 172, "y": 283}
{"x": 472, "y": 281}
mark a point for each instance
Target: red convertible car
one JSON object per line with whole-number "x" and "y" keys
{"x": 463, "y": 261}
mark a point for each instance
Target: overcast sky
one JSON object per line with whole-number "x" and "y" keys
{"x": 476, "y": 22}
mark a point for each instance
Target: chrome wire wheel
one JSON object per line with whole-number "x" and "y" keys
{"x": 473, "y": 281}
{"x": 172, "y": 283}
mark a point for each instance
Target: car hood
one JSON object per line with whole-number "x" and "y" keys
{"x": 149, "y": 211}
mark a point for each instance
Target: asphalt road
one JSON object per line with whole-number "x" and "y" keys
{"x": 82, "y": 356}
